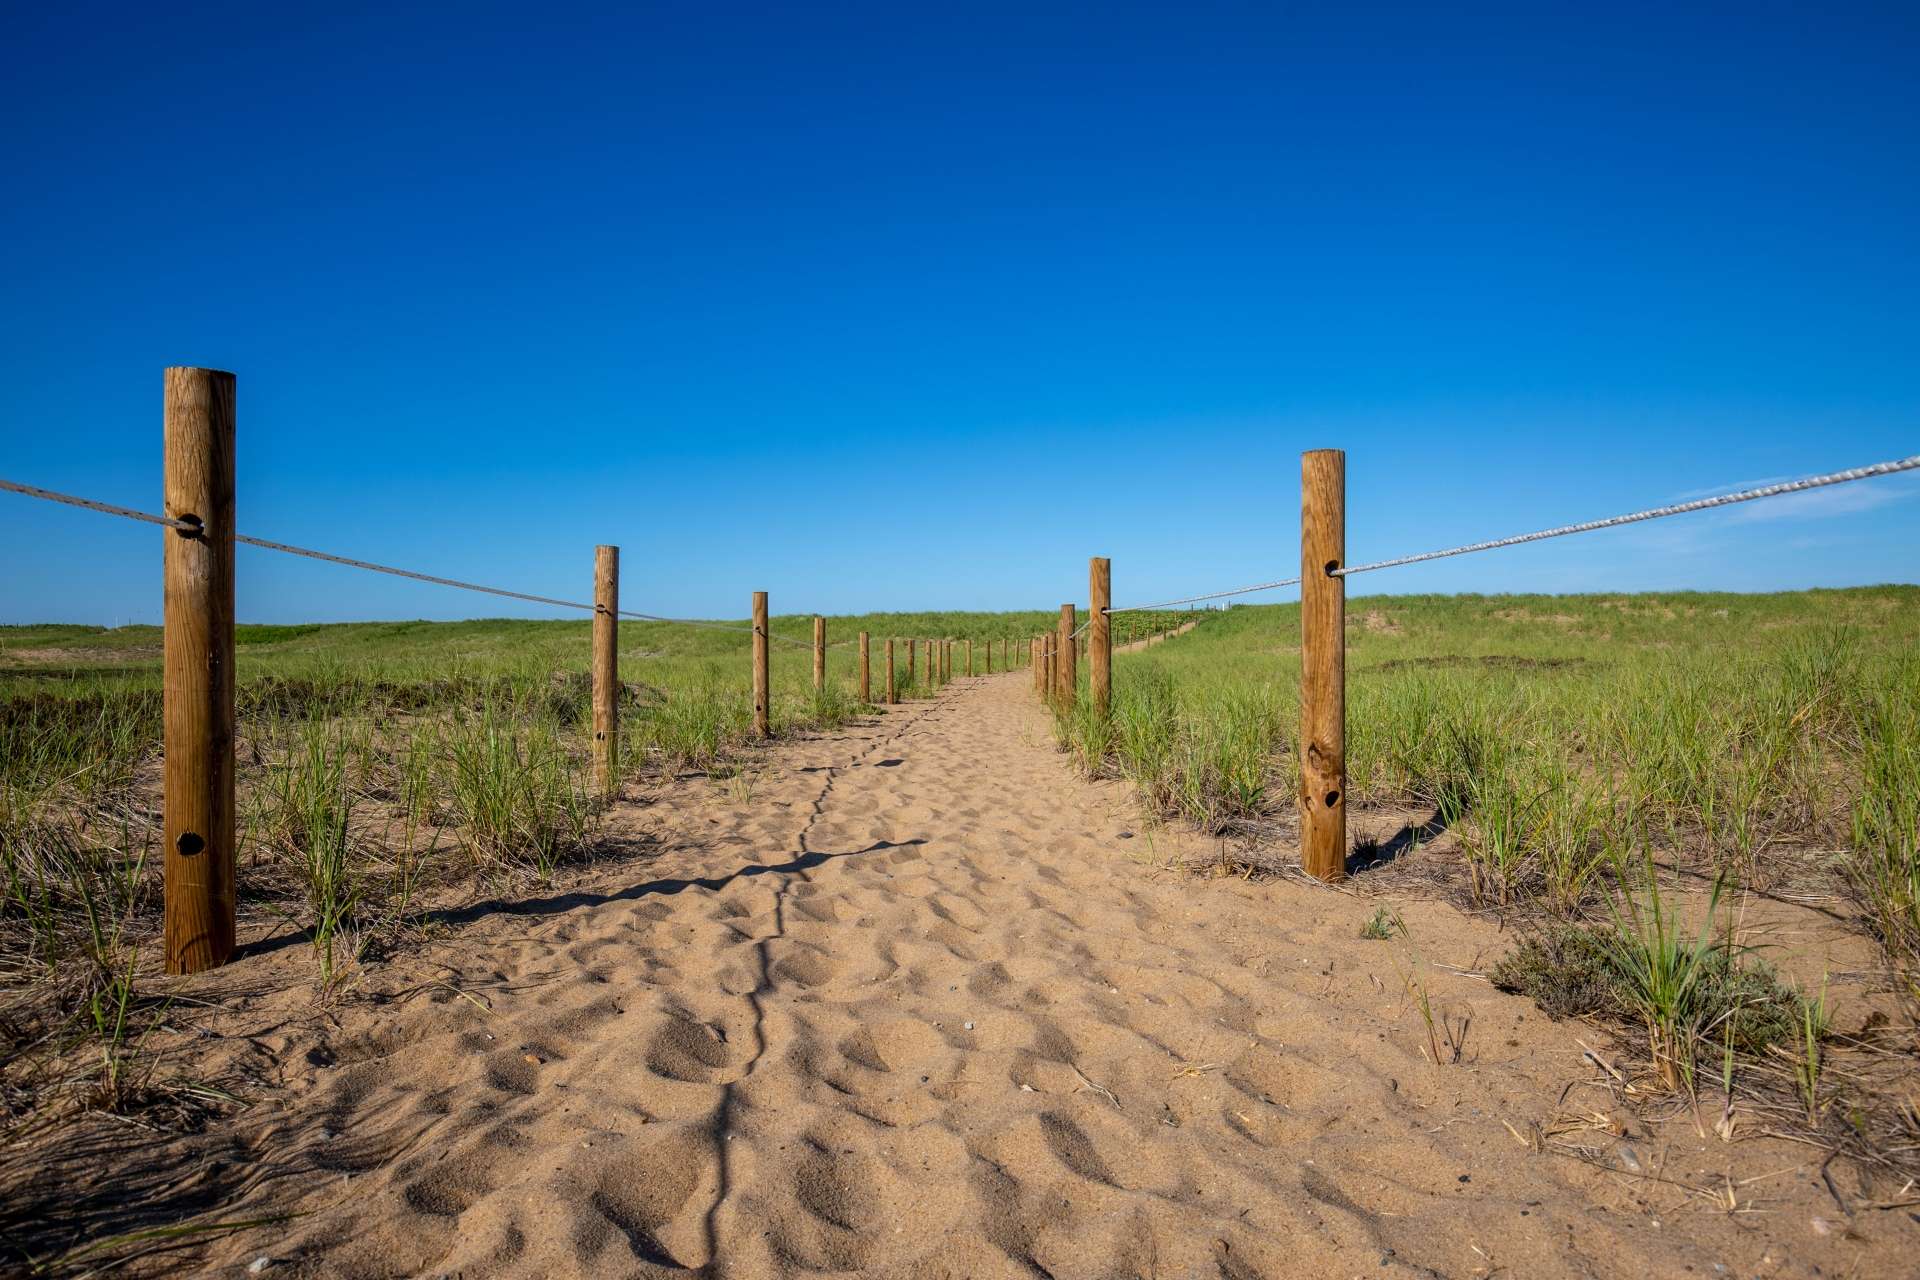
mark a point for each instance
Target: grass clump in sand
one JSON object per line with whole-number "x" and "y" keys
{"x": 1687, "y": 991}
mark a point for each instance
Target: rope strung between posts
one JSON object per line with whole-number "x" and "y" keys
{"x": 1585, "y": 526}
{"x": 1652, "y": 513}
{"x": 89, "y": 504}
{"x": 1211, "y": 595}
{"x": 168, "y": 522}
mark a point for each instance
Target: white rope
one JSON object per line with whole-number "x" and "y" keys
{"x": 1652, "y": 513}
{"x": 1211, "y": 595}
{"x": 90, "y": 505}
{"x": 189, "y": 526}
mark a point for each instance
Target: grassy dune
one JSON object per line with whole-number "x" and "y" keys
{"x": 1575, "y": 753}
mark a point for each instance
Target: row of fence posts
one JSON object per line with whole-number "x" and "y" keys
{"x": 939, "y": 663}
{"x": 1322, "y": 799}
{"x": 199, "y": 419}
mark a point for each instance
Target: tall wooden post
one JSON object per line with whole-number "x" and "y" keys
{"x": 1323, "y": 664}
{"x": 1039, "y": 667}
{"x": 969, "y": 655}
{"x": 865, "y": 687}
{"x": 893, "y": 692}
{"x": 1066, "y": 676}
{"x": 946, "y": 660}
{"x": 819, "y": 654}
{"x": 762, "y": 710}
{"x": 606, "y": 669}
{"x": 989, "y": 653}
{"x": 198, "y": 419}
{"x": 912, "y": 647}
{"x": 1100, "y": 635}
{"x": 933, "y": 668}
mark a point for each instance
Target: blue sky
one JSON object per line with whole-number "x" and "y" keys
{"x": 875, "y": 308}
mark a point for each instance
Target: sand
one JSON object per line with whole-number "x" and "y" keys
{"x": 919, "y": 1001}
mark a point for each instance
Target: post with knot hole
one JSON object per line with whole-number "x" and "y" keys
{"x": 198, "y": 417}
{"x": 866, "y": 687}
{"x": 1323, "y": 664}
{"x": 1066, "y": 677}
{"x": 1100, "y": 635}
{"x": 762, "y": 714}
{"x": 606, "y": 669}
{"x": 819, "y": 654}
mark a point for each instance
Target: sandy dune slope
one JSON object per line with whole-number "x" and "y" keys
{"x": 922, "y": 1004}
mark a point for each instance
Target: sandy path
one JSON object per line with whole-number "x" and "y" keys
{"x": 921, "y": 1006}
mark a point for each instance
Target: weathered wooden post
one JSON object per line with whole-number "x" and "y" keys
{"x": 762, "y": 711}
{"x": 1039, "y": 666}
{"x": 1323, "y": 664}
{"x": 969, "y": 655}
{"x": 198, "y": 426}
{"x": 933, "y": 668}
{"x": 1066, "y": 676}
{"x": 865, "y": 686}
{"x": 819, "y": 654}
{"x": 893, "y": 692}
{"x": 1100, "y": 635}
{"x": 989, "y": 654}
{"x": 912, "y": 647}
{"x": 946, "y": 660}
{"x": 606, "y": 669}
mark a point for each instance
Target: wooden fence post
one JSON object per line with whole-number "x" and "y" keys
{"x": 198, "y": 426}
{"x": 819, "y": 654}
{"x": 969, "y": 655}
{"x": 912, "y": 647}
{"x": 606, "y": 669}
{"x": 1100, "y": 635}
{"x": 1323, "y": 664}
{"x": 1066, "y": 677}
{"x": 762, "y": 712}
{"x": 989, "y": 654}
{"x": 893, "y": 693}
{"x": 865, "y": 685}
{"x": 1039, "y": 667}
{"x": 946, "y": 660}
{"x": 933, "y": 668}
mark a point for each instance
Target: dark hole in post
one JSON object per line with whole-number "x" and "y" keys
{"x": 1333, "y": 798}
{"x": 195, "y": 529}
{"x": 189, "y": 843}
{"x": 1332, "y": 565}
